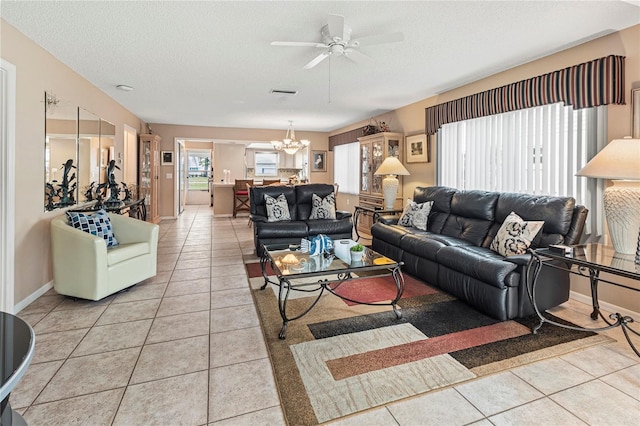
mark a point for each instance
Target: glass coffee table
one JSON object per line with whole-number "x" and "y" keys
{"x": 294, "y": 268}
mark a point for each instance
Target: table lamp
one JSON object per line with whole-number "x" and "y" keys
{"x": 391, "y": 167}
{"x": 619, "y": 161}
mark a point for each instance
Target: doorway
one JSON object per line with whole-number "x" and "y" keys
{"x": 182, "y": 176}
{"x": 198, "y": 175}
{"x": 7, "y": 183}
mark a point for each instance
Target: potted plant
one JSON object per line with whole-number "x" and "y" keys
{"x": 356, "y": 252}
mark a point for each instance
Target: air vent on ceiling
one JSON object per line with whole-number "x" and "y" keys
{"x": 283, "y": 92}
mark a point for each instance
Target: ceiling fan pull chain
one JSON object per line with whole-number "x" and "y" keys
{"x": 329, "y": 80}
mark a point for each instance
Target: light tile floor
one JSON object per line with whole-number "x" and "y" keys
{"x": 186, "y": 348}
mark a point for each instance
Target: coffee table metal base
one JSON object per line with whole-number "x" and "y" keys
{"x": 324, "y": 284}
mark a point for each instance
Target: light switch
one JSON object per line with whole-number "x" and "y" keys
{"x": 169, "y": 176}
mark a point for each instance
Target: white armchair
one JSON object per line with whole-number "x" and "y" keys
{"x": 84, "y": 267}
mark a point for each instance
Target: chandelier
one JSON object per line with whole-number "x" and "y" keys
{"x": 289, "y": 144}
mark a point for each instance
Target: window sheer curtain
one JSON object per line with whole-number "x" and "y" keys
{"x": 536, "y": 151}
{"x": 346, "y": 167}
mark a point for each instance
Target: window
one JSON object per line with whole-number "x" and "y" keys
{"x": 266, "y": 164}
{"x": 346, "y": 167}
{"x": 537, "y": 151}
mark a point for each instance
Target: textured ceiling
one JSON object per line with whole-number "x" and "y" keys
{"x": 209, "y": 63}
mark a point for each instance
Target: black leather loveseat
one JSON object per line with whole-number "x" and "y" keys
{"x": 454, "y": 255}
{"x": 299, "y": 198}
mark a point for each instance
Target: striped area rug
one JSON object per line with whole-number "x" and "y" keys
{"x": 342, "y": 358}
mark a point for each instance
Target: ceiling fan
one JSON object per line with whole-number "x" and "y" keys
{"x": 336, "y": 41}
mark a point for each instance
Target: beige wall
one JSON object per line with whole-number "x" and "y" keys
{"x": 411, "y": 119}
{"x": 170, "y": 132}
{"x": 37, "y": 71}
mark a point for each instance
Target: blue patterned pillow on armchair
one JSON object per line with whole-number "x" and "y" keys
{"x": 97, "y": 224}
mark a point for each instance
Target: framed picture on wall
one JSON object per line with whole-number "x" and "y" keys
{"x": 318, "y": 161}
{"x": 166, "y": 158}
{"x": 418, "y": 149}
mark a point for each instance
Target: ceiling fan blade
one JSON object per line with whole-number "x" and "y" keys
{"x": 378, "y": 39}
{"x": 315, "y": 61}
{"x": 297, "y": 44}
{"x": 336, "y": 26}
{"x": 357, "y": 57}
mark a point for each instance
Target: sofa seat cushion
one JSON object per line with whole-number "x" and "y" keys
{"x": 282, "y": 229}
{"x": 126, "y": 251}
{"x": 328, "y": 226}
{"x": 427, "y": 244}
{"x": 479, "y": 263}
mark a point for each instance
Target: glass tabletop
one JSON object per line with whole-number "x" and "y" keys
{"x": 290, "y": 261}
{"x": 17, "y": 342}
{"x": 604, "y": 257}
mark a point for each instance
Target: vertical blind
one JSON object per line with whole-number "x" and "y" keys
{"x": 536, "y": 150}
{"x": 346, "y": 159}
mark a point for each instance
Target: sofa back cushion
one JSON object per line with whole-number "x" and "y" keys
{"x": 556, "y": 212}
{"x": 258, "y": 204}
{"x": 441, "y": 197}
{"x": 471, "y": 217}
{"x": 304, "y": 197}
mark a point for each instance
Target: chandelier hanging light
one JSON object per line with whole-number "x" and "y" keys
{"x": 289, "y": 144}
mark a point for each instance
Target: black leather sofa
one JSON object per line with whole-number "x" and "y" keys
{"x": 453, "y": 253}
{"x": 300, "y": 226}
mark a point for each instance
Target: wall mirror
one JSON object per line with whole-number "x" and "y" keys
{"x": 88, "y": 151}
{"x": 107, "y": 148}
{"x": 60, "y": 158}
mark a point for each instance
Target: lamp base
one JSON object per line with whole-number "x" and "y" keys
{"x": 390, "y": 190}
{"x": 622, "y": 210}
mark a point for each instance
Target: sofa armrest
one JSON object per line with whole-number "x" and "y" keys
{"x": 520, "y": 259}
{"x": 258, "y": 218}
{"x": 388, "y": 219}
{"x": 342, "y": 214}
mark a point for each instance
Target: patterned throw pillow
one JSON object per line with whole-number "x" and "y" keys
{"x": 277, "y": 208}
{"x": 323, "y": 208}
{"x": 97, "y": 224}
{"x": 515, "y": 235}
{"x": 416, "y": 214}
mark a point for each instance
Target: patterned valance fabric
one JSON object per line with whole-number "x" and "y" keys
{"x": 594, "y": 83}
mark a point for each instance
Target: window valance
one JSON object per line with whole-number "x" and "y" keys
{"x": 593, "y": 83}
{"x": 346, "y": 137}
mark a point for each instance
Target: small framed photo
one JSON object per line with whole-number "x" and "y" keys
{"x": 318, "y": 161}
{"x": 418, "y": 149}
{"x": 166, "y": 158}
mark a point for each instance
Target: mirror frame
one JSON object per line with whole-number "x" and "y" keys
{"x": 60, "y": 191}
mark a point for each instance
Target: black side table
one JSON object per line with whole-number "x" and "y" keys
{"x": 589, "y": 261}
{"x": 17, "y": 345}
{"x": 375, "y": 213}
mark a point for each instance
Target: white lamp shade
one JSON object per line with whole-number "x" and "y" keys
{"x": 391, "y": 166}
{"x": 620, "y": 159}
{"x": 620, "y": 162}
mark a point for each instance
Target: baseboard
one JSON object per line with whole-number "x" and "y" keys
{"x": 609, "y": 307}
{"x": 32, "y": 297}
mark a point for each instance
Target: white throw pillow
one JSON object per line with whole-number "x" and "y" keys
{"x": 515, "y": 235}
{"x": 277, "y": 208}
{"x": 416, "y": 214}
{"x": 323, "y": 208}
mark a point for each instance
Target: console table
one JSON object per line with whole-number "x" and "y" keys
{"x": 135, "y": 208}
{"x": 17, "y": 345}
{"x": 589, "y": 260}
